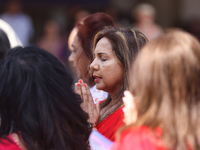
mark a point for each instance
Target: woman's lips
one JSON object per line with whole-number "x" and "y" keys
{"x": 97, "y": 79}
{"x": 74, "y": 68}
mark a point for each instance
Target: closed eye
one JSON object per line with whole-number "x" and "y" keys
{"x": 74, "y": 49}
{"x": 103, "y": 59}
{"x": 102, "y": 56}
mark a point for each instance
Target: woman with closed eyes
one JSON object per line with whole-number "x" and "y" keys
{"x": 81, "y": 52}
{"x": 114, "y": 51}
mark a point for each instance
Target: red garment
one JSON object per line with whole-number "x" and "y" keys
{"x": 8, "y": 145}
{"x": 109, "y": 125}
{"x": 140, "y": 139}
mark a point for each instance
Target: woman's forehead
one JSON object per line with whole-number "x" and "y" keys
{"x": 103, "y": 46}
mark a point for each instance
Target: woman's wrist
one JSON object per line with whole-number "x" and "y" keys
{"x": 92, "y": 126}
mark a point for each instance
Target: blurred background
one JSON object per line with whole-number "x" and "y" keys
{"x": 48, "y": 23}
{"x": 169, "y": 13}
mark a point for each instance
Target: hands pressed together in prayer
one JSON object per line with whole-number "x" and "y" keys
{"x": 130, "y": 110}
{"x": 88, "y": 105}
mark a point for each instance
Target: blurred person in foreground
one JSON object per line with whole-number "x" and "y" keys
{"x": 114, "y": 52}
{"x": 19, "y": 21}
{"x": 162, "y": 108}
{"x": 38, "y": 109}
{"x": 82, "y": 54}
{"x": 145, "y": 21}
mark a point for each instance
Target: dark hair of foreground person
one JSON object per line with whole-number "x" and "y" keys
{"x": 38, "y": 104}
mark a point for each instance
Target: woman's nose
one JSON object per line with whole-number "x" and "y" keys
{"x": 94, "y": 66}
{"x": 71, "y": 58}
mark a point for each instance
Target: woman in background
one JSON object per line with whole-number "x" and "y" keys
{"x": 114, "y": 52}
{"x": 53, "y": 41}
{"x": 38, "y": 109}
{"x": 82, "y": 54}
{"x": 165, "y": 81}
{"x": 145, "y": 15}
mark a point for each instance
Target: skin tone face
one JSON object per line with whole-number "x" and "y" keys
{"x": 79, "y": 59}
{"x": 71, "y": 38}
{"x": 145, "y": 18}
{"x": 108, "y": 72}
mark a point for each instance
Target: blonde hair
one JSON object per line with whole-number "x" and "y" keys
{"x": 165, "y": 79}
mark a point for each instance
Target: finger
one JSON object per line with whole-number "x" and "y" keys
{"x": 81, "y": 84}
{"x": 78, "y": 89}
{"x": 129, "y": 95}
{"x": 90, "y": 98}
{"x": 81, "y": 81}
{"x": 128, "y": 99}
{"x": 128, "y": 118}
{"x": 94, "y": 114}
{"x": 130, "y": 109}
{"x": 125, "y": 115}
{"x": 98, "y": 107}
{"x": 84, "y": 92}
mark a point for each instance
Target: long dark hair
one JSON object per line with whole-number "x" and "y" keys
{"x": 37, "y": 101}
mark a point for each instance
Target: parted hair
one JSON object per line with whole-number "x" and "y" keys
{"x": 38, "y": 103}
{"x": 125, "y": 45}
{"x": 165, "y": 80}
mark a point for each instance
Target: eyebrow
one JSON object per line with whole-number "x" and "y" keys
{"x": 100, "y": 54}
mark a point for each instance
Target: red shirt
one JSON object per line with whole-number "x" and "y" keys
{"x": 8, "y": 145}
{"x": 109, "y": 125}
{"x": 141, "y": 138}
